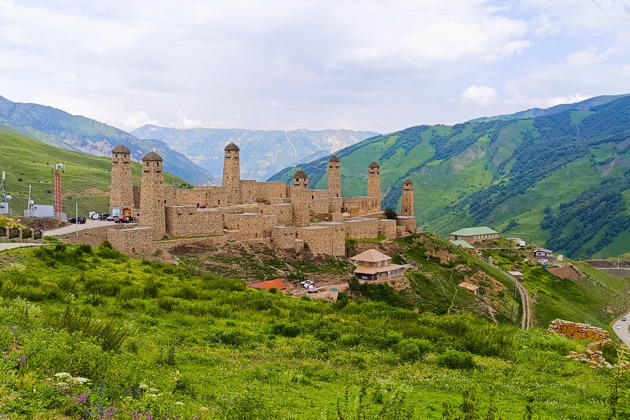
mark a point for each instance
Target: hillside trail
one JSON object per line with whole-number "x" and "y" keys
{"x": 526, "y": 319}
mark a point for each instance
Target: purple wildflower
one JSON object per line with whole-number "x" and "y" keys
{"x": 22, "y": 360}
{"x": 108, "y": 413}
{"x": 149, "y": 416}
{"x": 83, "y": 398}
{"x": 196, "y": 416}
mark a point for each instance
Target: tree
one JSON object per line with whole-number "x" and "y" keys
{"x": 390, "y": 213}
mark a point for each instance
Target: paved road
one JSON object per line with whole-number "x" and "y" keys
{"x": 11, "y": 245}
{"x": 622, "y": 332}
{"x": 89, "y": 224}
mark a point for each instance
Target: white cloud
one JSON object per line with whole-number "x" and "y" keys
{"x": 480, "y": 95}
{"x": 308, "y": 64}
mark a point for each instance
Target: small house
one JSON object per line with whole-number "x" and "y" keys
{"x": 474, "y": 234}
{"x": 374, "y": 265}
{"x": 543, "y": 253}
{"x": 470, "y": 287}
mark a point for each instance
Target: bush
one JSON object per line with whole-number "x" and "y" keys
{"x": 411, "y": 350}
{"x": 454, "y": 359}
{"x": 390, "y": 213}
{"x": 286, "y": 329}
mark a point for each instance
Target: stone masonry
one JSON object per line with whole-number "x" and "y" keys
{"x": 290, "y": 217}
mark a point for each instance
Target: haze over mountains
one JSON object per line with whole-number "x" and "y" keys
{"x": 263, "y": 153}
{"x": 559, "y": 176}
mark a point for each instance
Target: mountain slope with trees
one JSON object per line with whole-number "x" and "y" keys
{"x": 558, "y": 177}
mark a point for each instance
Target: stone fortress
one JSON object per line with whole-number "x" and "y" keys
{"x": 290, "y": 217}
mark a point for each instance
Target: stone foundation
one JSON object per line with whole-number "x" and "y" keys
{"x": 577, "y": 331}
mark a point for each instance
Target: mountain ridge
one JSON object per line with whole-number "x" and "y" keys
{"x": 505, "y": 172}
{"x": 263, "y": 152}
{"x": 75, "y": 132}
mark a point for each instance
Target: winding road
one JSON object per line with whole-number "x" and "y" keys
{"x": 526, "y": 319}
{"x": 622, "y": 332}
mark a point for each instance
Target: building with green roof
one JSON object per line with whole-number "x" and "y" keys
{"x": 474, "y": 234}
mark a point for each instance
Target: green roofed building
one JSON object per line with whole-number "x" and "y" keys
{"x": 463, "y": 244}
{"x": 474, "y": 234}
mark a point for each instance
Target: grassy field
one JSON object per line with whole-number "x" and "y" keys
{"x": 90, "y": 333}
{"x": 86, "y": 180}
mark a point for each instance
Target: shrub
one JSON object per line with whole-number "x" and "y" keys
{"x": 286, "y": 329}
{"x": 454, "y": 359}
{"x": 390, "y": 213}
{"x": 410, "y": 350}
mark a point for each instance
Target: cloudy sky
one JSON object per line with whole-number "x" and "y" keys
{"x": 378, "y": 65}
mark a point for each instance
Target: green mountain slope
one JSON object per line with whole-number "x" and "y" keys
{"x": 86, "y": 179}
{"x": 74, "y": 132}
{"x": 558, "y": 178}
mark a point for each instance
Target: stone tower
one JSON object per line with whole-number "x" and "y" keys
{"x": 300, "y": 198}
{"x": 406, "y": 208}
{"x": 334, "y": 177}
{"x": 152, "y": 195}
{"x": 232, "y": 174}
{"x": 374, "y": 183}
{"x": 121, "y": 189}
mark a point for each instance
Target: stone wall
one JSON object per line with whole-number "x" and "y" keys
{"x": 182, "y": 221}
{"x": 387, "y": 228}
{"x": 577, "y": 331}
{"x": 358, "y": 206}
{"x": 137, "y": 240}
{"x": 94, "y": 236}
{"x": 407, "y": 222}
{"x": 248, "y": 191}
{"x": 362, "y": 228}
{"x": 284, "y": 212}
{"x": 204, "y": 196}
{"x": 323, "y": 239}
{"x": 268, "y": 191}
{"x": 285, "y": 237}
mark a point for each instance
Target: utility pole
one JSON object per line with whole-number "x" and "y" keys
{"x": 76, "y": 225}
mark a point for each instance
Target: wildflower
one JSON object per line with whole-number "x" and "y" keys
{"x": 62, "y": 375}
{"x": 144, "y": 386}
{"x": 149, "y": 416}
{"x": 179, "y": 403}
{"x": 108, "y": 413}
{"x": 83, "y": 398}
{"x": 153, "y": 390}
{"x": 22, "y": 360}
{"x": 79, "y": 380}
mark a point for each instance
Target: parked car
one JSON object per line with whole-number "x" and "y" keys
{"x": 80, "y": 220}
{"x": 111, "y": 218}
{"x": 95, "y": 216}
{"x": 123, "y": 219}
{"x": 623, "y": 319}
{"x": 103, "y": 216}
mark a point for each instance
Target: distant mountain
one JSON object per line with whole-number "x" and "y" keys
{"x": 73, "y": 132}
{"x": 263, "y": 153}
{"x": 560, "y": 177}
{"x": 86, "y": 180}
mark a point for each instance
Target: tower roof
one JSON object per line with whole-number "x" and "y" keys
{"x": 407, "y": 182}
{"x": 374, "y": 165}
{"x": 121, "y": 148}
{"x": 300, "y": 174}
{"x": 232, "y": 147}
{"x": 333, "y": 158}
{"x": 152, "y": 156}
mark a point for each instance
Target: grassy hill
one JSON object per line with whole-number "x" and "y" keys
{"x": 88, "y": 332}
{"x": 74, "y": 132}
{"x": 86, "y": 179}
{"x": 559, "y": 178}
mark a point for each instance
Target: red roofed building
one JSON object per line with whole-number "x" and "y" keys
{"x": 270, "y": 284}
{"x": 373, "y": 265}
